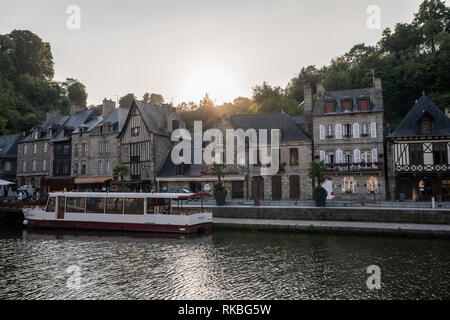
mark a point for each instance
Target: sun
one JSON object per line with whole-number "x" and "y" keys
{"x": 212, "y": 78}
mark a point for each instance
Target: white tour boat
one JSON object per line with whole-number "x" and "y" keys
{"x": 120, "y": 211}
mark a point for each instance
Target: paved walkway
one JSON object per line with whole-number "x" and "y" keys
{"x": 370, "y": 227}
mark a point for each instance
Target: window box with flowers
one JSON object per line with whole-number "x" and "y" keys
{"x": 364, "y": 134}
{"x": 347, "y": 135}
{"x": 330, "y": 136}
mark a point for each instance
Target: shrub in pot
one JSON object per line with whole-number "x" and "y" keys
{"x": 315, "y": 172}
{"x": 220, "y": 193}
{"x": 320, "y": 196}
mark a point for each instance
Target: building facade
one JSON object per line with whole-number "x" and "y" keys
{"x": 419, "y": 154}
{"x": 244, "y": 180}
{"x": 349, "y": 132}
{"x": 145, "y": 141}
{"x": 95, "y": 148}
{"x": 8, "y": 156}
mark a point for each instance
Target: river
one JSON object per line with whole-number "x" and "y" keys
{"x": 220, "y": 265}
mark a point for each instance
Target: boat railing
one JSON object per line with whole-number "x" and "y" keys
{"x": 176, "y": 211}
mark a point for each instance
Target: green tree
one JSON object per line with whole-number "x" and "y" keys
{"x": 121, "y": 171}
{"x": 76, "y": 92}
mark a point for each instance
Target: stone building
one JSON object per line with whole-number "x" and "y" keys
{"x": 34, "y": 153}
{"x": 145, "y": 141}
{"x": 8, "y": 156}
{"x": 95, "y": 148}
{"x": 349, "y": 130}
{"x": 244, "y": 180}
{"x": 419, "y": 154}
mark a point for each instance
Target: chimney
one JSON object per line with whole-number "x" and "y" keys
{"x": 320, "y": 89}
{"x": 52, "y": 114}
{"x": 74, "y": 108}
{"x": 377, "y": 83}
{"x": 108, "y": 107}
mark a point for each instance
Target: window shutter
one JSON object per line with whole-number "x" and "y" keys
{"x": 339, "y": 156}
{"x": 373, "y": 129}
{"x": 338, "y": 131}
{"x": 322, "y": 132}
{"x": 374, "y": 155}
{"x": 322, "y": 155}
{"x": 356, "y": 130}
{"x": 356, "y": 156}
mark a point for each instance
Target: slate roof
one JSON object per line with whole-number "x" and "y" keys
{"x": 54, "y": 123}
{"x": 410, "y": 125}
{"x": 375, "y": 100}
{"x": 168, "y": 168}
{"x": 73, "y": 122}
{"x": 8, "y": 145}
{"x": 300, "y": 121}
{"x": 152, "y": 116}
{"x": 119, "y": 116}
{"x": 290, "y": 131}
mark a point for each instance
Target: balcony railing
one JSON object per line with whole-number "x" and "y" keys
{"x": 354, "y": 167}
{"x": 423, "y": 167}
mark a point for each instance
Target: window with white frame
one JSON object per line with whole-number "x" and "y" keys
{"x": 24, "y": 165}
{"x": 107, "y": 146}
{"x": 125, "y": 150}
{"x": 373, "y": 130}
{"x": 365, "y": 157}
{"x": 107, "y": 168}
{"x": 34, "y": 165}
{"x": 374, "y": 155}
{"x": 356, "y": 130}
{"x": 356, "y": 156}
{"x": 322, "y": 155}
{"x": 100, "y": 167}
{"x": 45, "y": 147}
{"x": 35, "y": 148}
{"x": 339, "y": 156}
{"x": 349, "y": 185}
{"x": 25, "y": 149}
{"x": 321, "y": 132}
{"x": 8, "y": 166}
{"x": 101, "y": 147}
{"x": 372, "y": 185}
{"x": 44, "y": 165}
{"x": 338, "y": 130}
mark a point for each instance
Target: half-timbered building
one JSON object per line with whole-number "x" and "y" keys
{"x": 145, "y": 141}
{"x": 419, "y": 154}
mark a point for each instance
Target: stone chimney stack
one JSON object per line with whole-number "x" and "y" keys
{"x": 377, "y": 83}
{"x": 52, "y": 114}
{"x": 108, "y": 107}
{"x": 308, "y": 108}
{"x": 74, "y": 108}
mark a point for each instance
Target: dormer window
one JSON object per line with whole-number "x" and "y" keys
{"x": 364, "y": 104}
{"x": 330, "y": 106}
{"x": 36, "y": 135}
{"x": 346, "y": 105}
{"x": 425, "y": 125}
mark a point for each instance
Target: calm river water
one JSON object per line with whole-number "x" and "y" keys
{"x": 221, "y": 265}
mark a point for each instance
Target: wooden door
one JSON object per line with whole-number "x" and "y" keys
{"x": 258, "y": 187}
{"x": 61, "y": 207}
{"x": 294, "y": 187}
{"x": 276, "y": 188}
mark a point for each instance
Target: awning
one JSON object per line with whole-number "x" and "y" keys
{"x": 92, "y": 180}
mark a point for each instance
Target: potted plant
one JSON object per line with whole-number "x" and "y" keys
{"x": 315, "y": 172}
{"x": 220, "y": 191}
{"x": 121, "y": 171}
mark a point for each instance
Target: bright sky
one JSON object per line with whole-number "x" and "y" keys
{"x": 184, "y": 48}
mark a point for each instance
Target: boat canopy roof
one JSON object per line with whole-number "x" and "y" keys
{"x": 165, "y": 195}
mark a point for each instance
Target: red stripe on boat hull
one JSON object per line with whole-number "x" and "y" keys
{"x": 119, "y": 226}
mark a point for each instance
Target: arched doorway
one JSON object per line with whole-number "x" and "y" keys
{"x": 258, "y": 187}
{"x": 294, "y": 187}
{"x": 276, "y": 188}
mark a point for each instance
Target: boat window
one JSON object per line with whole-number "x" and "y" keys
{"x": 51, "y": 204}
{"x": 95, "y": 205}
{"x": 75, "y": 204}
{"x": 155, "y": 205}
{"x": 134, "y": 206}
{"x": 114, "y": 205}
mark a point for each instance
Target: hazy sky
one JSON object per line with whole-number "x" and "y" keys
{"x": 184, "y": 48}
